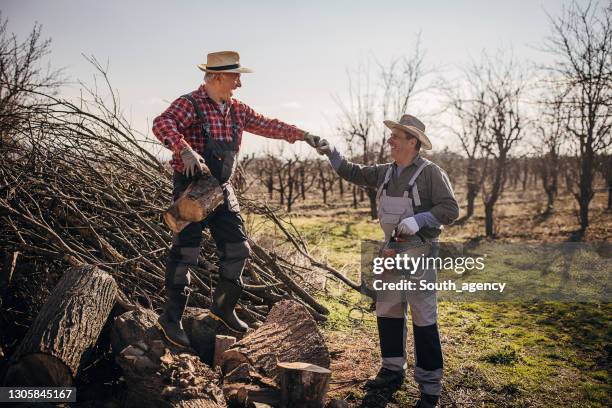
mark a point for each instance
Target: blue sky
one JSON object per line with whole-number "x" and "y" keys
{"x": 299, "y": 50}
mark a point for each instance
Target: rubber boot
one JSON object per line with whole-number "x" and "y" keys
{"x": 386, "y": 378}
{"x": 427, "y": 401}
{"x": 170, "y": 320}
{"x": 224, "y": 301}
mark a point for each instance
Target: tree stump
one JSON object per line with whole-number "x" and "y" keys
{"x": 302, "y": 384}
{"x": 65, "y": 330}
{"x": 222, "y": 343}
{"x": 288, "y": 334}
{"x": 201, "y": 330}
{"x": 157, "y": 373}
{"x": 200, "y": 198}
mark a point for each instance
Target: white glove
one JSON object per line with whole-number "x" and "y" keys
{"x": 324, "y": 147}
{"x": 312, "y": 140}
{"x": 193, "y": 162}
{"x": 408, "y": 226}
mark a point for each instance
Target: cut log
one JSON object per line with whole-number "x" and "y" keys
{"x": 288, "y": 334}
{"x": 302, "y": 384}
{"x": 158, "y": 374}
{"x": 222, "y": 343}
{"x": 202, "y": 330}
{"x": 65, "y": 330}
{"x": 200, "y": 198}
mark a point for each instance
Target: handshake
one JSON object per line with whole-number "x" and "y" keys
{"x": 322, "y": 145}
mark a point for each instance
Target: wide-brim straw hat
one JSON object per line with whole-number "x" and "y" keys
{"x": 224, "y": 62}
{"x": 413, "y": 126}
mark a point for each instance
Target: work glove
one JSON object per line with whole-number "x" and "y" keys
{"x": 194, "y": 163}
{"x": 408, "y": 226}
{"x": 312, "y": 140}
{"x": 324, "y": 148}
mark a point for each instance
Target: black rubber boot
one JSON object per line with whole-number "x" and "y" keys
{"x": 170, "y": 320}
{"x": 427, "y": 401}
{"x": 386, "y": 378}
{"x": 224, "y": 301}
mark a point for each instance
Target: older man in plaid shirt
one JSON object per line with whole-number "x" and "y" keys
{"x": 204, "y": 131}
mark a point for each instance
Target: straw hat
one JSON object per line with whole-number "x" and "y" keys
{"x": 413, "y": 126}
{"x": 223, "y": 62}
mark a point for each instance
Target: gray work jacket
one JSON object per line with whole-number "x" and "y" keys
{"x": 435, "y": 190}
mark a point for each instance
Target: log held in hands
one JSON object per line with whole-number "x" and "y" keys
{"x": 200, "y": 198}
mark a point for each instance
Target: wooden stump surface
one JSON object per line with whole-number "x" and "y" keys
{"x": 65, "y": 330}
{"x": 288, "y": 334}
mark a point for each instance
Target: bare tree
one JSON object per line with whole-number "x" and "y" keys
{"x": 399, "y": 80}
{"x": 505, "y": 84}
{"x": 326, "y": 178}
{"x": 604, "y": 166}
{"x": 550, "y": 137}
{"x": 357, "y": 123}
{"x": 289, "y": 174}
{"x": 21, "y": 75}
{"x": 581, "y": 42}
{"x": 469, "y": 106}
{"x": 264, "y": 171}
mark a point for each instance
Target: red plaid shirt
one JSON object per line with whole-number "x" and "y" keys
{"x": 174, "y": 127}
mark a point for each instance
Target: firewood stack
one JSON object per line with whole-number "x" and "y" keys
{"x": 284, "y": 362}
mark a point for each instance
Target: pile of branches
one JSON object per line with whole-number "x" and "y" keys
{"x": 79, "y": 186}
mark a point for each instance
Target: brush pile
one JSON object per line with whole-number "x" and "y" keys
{"x": 78, "y": 187}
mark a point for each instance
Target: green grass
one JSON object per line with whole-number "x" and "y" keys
{"x": 337, "y": 239}
{"x": 506, "y": 355}
{"x": 348, "y": 310}
{"x": 500, "y": 353}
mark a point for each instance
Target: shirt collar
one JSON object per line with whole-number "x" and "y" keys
{"x": 415, "y": 162}
{"x": 204, "y": 94}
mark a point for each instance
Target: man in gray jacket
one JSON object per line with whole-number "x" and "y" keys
{"x": 415, "y": 199}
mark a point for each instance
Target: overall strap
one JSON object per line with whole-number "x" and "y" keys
{"x": 201, "y": 117}
{"x": 235, "y": 127}
{"x": 384, "y": 183}
{"x": 412, "y": 183}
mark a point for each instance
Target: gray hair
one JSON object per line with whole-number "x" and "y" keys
{"x": 209, "y": 76}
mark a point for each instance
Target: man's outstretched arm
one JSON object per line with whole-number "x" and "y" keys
{"x": 370, "y": 176}
{"x": 271, "y": 128}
